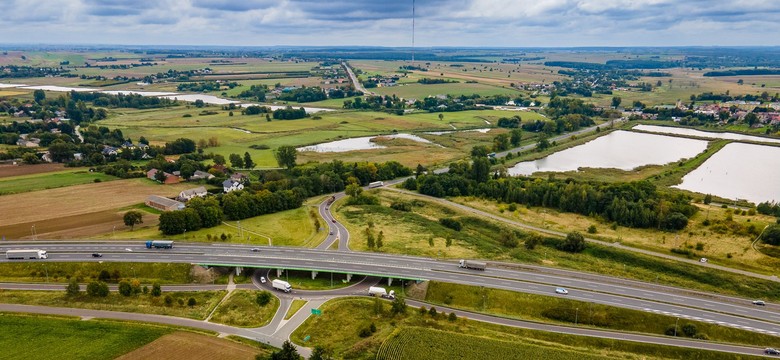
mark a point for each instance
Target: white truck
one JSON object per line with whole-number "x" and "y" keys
{"x": 26, "y": 254}
{"x": 381, "y": 292}
{"x": 281, "y": 285}
{"x": 376, "y": 184}
{"x": 471, "y": 264}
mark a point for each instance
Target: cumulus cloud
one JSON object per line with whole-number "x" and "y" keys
{"x": 511, "y": 23}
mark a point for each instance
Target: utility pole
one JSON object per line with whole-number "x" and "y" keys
{"x": 413, "y": 32}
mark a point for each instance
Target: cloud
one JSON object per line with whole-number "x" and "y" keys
{"x": 511, "y": 23}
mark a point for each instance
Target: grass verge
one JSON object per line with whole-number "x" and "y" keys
{"x": 62, "y": 272}
{"x": 297, "y": 304}
{"x": 241, "y": 309}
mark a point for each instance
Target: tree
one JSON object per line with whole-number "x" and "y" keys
{"x": 39, "y": 96}
{"x": 771, "y": 235}
{"x": 543, "y": 143}
{"x": 321, "y": 353}
{"x": 156, "y": 290}
{"x": 353, "y": 190}
{"x": 97, "y": 289}
{"x": 218, "y": 159}
{"x": 448, "y": 241}
{"x": 125, "y": 288}
{"x": 30, "y": 159}
{"x": 616, "y": 101}
{"x": 263, "y": 298}
{"x": 675, "y": 221}
{"x": 168, "y": 300}
{"x": 285, "y": 156}
{"x": 419, "y": 170}
{"x": 132, "y": 218}
{"x": 236, "y": 161}
{"x": 573, "y": 243}
{"x": 515, "y": 136}
{"x": 370, "y": 238}
{"x": 501, "y": 142}
{"x": 441, "y": 116}
{"x": 452, "y": 317}
{"x": 73, "y": 288}
{"x": 104, "y": 275}
{"x": 479, "y": 151}
{"x": 707, "y": 199}
{"x": 287, "y": 352}
{"x": 398, "y": 306}
{"x": 160, "y": 176}
{"x": 380, "y": 239}
{"x": 199, "y": 103}
{"x": 248, "y": 163}
{"x": 61, "y": 151}
{"x": 192, "y": 302}
{"x": 751, "y": 119}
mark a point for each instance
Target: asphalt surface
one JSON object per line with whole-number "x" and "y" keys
{"x": 358, "y": 86}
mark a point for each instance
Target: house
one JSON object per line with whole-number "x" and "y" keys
{"x": 188, "y": 194}
{"x": 128, "y": 145}
{"x": 47, "y": 157}
{"x": 28, "y": 143}
{"x": 78, "y": 156}
{"x": 163, "y": 203}
{"x": 201, "y": 175}
{"x": 169, "y": 178}
{"x": 110, "y": 150}
{"x": 239, "y": 177}
{"x": 219, "y": 167}
{"x": 231, "y": 185}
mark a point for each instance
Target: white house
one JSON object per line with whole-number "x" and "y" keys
{"x": 231, "y": 185}
{"x": 188, "y": 194}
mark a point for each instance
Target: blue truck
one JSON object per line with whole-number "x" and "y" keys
{"x": 159, "y": 244}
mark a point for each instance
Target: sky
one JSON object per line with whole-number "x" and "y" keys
{"x": 467, "y": 23}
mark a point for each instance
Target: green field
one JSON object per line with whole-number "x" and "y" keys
{"x": 240, "y": 309}
{"x": 302, "y": 280}
{"x": 421, "y": 91}
{"x": 423, "y": 343}
{"x": 141, "y": 303}
{"x": 579, "y": 313}
{"x": 35, "y": 182}
{"x": 58, "y": 272}
{"x": 39, "y": 337}
{"x": 343, "y": 319}
{"x": 296, "y": 305}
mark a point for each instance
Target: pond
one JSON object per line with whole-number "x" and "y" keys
{"x": 623, "y": 150}
{"x": 483, "y": 131}
{"x": 703, "y": 134}
{"x": 359, "y": 143}
{"x": 738, "y": 171}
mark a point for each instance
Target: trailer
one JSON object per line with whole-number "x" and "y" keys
{"x": 281, "y": 285}
{"x": 26, "y": 254}
{"x": 376, "y": 184}
{"x": 471, "y": 264}
{"x": 381, "y": 292}
{"x": 159, "y": 244}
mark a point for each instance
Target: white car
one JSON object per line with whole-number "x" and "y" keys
{"x": 561, "y": 291}
{"x": 262, "y": 279}
{"x": 704, "y": 260}
{"x": 129, "y": 249}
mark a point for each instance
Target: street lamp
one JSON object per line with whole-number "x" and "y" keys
{"x": 576, "y": 316}
{"x": 675, "y": 326}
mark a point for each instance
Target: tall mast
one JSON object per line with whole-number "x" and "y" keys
{"x": 413, "y": 32}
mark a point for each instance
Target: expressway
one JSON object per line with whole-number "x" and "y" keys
{"x": 727, "y": 311}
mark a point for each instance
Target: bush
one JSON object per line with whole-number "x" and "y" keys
{"x": 409, "y": 184}
{"x": 125, "y": 288}
{"x": 573, "y": 243}
{"x": 156, "y": 290}
{"x": 432, "y": 312}
{"x": 263, "y": 298}
{"x": 423, "y": 310}
{"x": 73, "y": 288}
{"x": 592, "y": 229}
{"x": 401, "y": 206}
{"x": 672, "y": 330}
{"x": 689, "y": 330}
{"x": 675, "y": 221}
{"x": 168, "y": 300}
{"x": 451, "y": 223}
{"x": 452, "y": 317}
{"x": 364, "y": 332}
{"x": 192, "y": 302}
{"x": 97, "y": 288}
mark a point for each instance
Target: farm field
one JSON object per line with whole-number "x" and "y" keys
{"x": 192, "y": 346}
{"x": 343, "y": 319}
{"x": 73, "y": 203}
{"x": 35, "y": 182}
{"x": 20, "y": 170}
{"x": 240, "y": 309}
{"x": 41, "y": 337}
{"x": 141, "y": 303}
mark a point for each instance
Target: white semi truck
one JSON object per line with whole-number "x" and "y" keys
{"x": 381, "y": 292}
{"x": 376, "y": 184}
{"x": 281, "y": 285}
{"x": 471, "y": 264}
{"x": 26, "y": 254}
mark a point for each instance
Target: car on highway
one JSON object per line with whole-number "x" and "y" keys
{"x": 129, "y": 249}
{"x": 331, "y": 233}
{"x": 561, "y": 291}
{"x": 771, "y": 351}
{"x": 262, "y": 279}
{"x": 704, "y": 260}
{"x": 333, "y": 221}
{"x": 97, "y": 255}
{"x": 759, "y": 302}
{"x": 254, "y": 249}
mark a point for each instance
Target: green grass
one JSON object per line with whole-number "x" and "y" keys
{"x": 25, "y": 183}
{"x": 60, "y": 272}
{"x": 241, "y": 309}
{"x": 571, "y": 312}
{"x": 301, "y": 280}
{"x": 430, "y": 344}
{"x": 40, "y": 337}
{"x": 342, "y": 319}
{"x": 421, "y": 91}
{"x": 146, "y": 304}
{"x": 296, "y": 305}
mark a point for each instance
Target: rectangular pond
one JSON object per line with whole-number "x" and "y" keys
{"x": 738, "y": 171}
{"x": 623, "y": 150}
{"x": 704, "y": 134}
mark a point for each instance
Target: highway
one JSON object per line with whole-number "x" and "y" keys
{"x": 665, "y": 300}
{"x": 358, "y": 86}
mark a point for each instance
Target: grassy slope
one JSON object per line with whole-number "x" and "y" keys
{"x": 240, "y": 309}
{"x": 60, "y": 272}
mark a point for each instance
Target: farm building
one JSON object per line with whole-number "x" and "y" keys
{"x": 163, "y": 203}
{"x": 191, "y": 193}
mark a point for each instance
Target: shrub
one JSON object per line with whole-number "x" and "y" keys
{"x": 592, "y": 229}
{"x": 97, "y": 288}
{"x": 73, "y": 288}
{"x": 263, "y": 298}
{"x": 125, "y": 288}
{"x": 699, "y": 246}
{"x": 452, "y": 317}
{"x": 145, "y": 290}
{"x": 432, "y": 312}
{"x": 168, "y": 300}
{"x": 423, "y": 310}
{"x": 401, "y": 206}
{"x": 364, "y": 332}
{"x": 156, "y": 290}
{"x": 192, "y": 302}
{"x": 451, "y": 223}
{"x": 671, "y": 330}
{"x": 512, "y": 207}
{"x": 573, "y": 243}
{"x": 689, "y": 329}
{"x": 675, "y": 221}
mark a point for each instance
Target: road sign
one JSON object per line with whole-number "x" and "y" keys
{"x": 316, "y": 312}
{"x": 307, "y": 338}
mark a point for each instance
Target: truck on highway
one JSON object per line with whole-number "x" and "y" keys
{"x": 376, "y": 184}
{"x": 381, "y": 292}
{"x": 26, "y": 254}
{"x": 159, "y": 244}
{"x": 281, "y": 285}
{"x": 471, "y": 264}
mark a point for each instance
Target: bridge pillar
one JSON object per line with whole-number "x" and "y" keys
{"x": 389, "y": 281}
{"x": 279, "y": 272}
{"x": 239, "y": 269}
{"x": 349, "y": 277}
{"x": 313, "y": 275}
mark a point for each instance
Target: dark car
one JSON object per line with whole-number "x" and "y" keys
{"x": 333, "y": 221}
{"x": 771, "y": 351}
{"x": 97, "y": 255}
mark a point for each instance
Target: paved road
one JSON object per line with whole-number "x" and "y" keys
{"x": 358, "y": 86}
{"x": 728, "y": 313}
